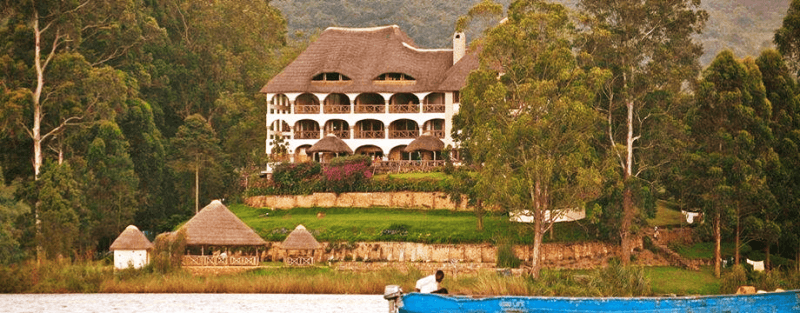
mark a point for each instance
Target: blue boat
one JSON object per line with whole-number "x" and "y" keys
{"x": 773, "y": 302}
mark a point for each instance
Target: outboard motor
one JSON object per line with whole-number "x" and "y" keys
{"x": 393, "y": 294}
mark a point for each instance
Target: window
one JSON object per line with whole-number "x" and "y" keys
{"x": 394, "y": 77}
{"x": 330, "y": 77}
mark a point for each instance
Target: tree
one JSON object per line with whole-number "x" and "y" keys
{"x": 111, "y": 183}
{"x": 783, "y": 174}
{"x": 531, "y": 128}
{"x": 732, "y": 145}
{"x": 787, "y": 38}
{"x": 649, "y": 48}
{"x": 10, "y": 209}
{"x": 195, "y": 146}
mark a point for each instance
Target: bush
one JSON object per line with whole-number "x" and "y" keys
{"x": 296, "y": 178}
{"x": 347, "y": 173}
{"x": 168, "y": 252}
{"x": 731, "y": 280}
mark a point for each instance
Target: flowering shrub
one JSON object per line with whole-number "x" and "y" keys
{"x": 296, "y": 177}
{"x": 347, "y": 173}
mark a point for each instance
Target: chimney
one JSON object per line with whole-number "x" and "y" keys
{"x": 459, "y": 46}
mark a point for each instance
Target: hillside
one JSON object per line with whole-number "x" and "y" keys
{"x": 744, "y": 26}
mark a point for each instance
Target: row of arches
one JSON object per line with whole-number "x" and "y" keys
{"x": 339, "y": 103}
{"x": 394, "y": 154}
{"x": 363, "y": 129}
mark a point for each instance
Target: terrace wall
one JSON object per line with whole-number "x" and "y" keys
{"x": 411, "y": 200}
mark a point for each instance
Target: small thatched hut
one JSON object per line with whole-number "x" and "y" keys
{"x": 330, "y": 146}
{"x": 131, "y": 249}
{"x": 217, "y": 229}
{"x": 300, "y": 247}
{"x": 427, "y": 144}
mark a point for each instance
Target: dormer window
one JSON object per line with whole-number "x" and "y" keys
{"x": 330, "y": 77}
{"x": 394, "y": 77}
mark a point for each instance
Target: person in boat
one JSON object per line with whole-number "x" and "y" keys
{"x": 430, "y": 284}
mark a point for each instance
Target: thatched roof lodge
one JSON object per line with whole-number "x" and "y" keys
{"x": 216, "y": 228}
{"x": 330, "y": 144}
{"x": 300, "y": 247}
{"x": 131, "y": 248}
{"x": 428, "y": 143}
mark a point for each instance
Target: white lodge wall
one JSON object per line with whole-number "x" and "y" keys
{"x": 126, "y": 258}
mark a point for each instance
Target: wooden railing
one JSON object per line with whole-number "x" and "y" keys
{"x": 370, "y": 134}
{"x": 298, "y": 261}
{"x": 433, "y": 108}
{"x": 370, "y": 108}
{"x": 306, "y": 134}
{"x": 404, "y": 108}
{"x": 405, "y": 166}
{"x": 437, "y": 133}
{"x": 403, "y": 134}
{"x": 208, "y": 260}
{"x": 342, "y": 134}
{"x": 337, "y": 109}
{"x": 306, "y": 109}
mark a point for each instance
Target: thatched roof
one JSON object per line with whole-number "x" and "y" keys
{"x": 216, "y": 225}
{"x": 426, "y": 142}
{"x": 456, "y": 77}
{"x": 131, "y": 239}
{"x": 362, "y": 54}
{"x": 332, "y": 144}
{"x": 300, "y": 239}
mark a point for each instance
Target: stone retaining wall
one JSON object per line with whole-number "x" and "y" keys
{"x": 554, "y": 255}
{"x": 415, "y": 200}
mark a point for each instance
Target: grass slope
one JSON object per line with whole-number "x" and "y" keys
{"x": 385, "y": 224}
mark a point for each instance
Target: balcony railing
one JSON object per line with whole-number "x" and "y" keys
{"x": 404, "y": 108}
{"x": 404, "y": 134}
{"x": 306, "y": 109}
{"x": 208, "y": 260}
{"x": 433, "y": 108}
{"x": 334, "y": 109}
{"x": 306, "y": 134}
{"x": 437, "y": 133}
{"x": 370, "y": 108}
{"x": 370, "y": 134}
{"x": 342, "y": 134}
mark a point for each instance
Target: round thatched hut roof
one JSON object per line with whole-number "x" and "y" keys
{"x": 215, "y": 225}
{"x": 332, "y": 144}
{"x": 426, "y": 142}
{"x": 300, "y": 239}
{"x": 131, "y": 239}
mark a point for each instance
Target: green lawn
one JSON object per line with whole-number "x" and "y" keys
{"x": 384, "y": 224}
{"x": 666, "y": 215}
{"x": 668, "y": 280}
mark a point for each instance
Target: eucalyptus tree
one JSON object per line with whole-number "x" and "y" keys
{"x": 732, "y": 145}
{"x": 526, "y": 115}
{"x": 649, "y": 47}
{"x": 783, "y": 174}
{"x": 196, "y": 146}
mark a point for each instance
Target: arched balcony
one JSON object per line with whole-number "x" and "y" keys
{"x": 433, "y": 103}
{"x": 337, "y": 103}
{"x": 435, "y": 127}
{"x": 306, "y": 104}
{"x": 371, "y": 151}
{"x": 404, "y": 103}
{"x": 369, "y": 129}
{"x": 370, "y": 103}
{"x": 403, "y": 129}
{"x": 300, "y": 154}
{"x": 340, "y": 128}
{"x": 306, "y": 129}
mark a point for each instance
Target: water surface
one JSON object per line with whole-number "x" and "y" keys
{"x": 175, "y": 303}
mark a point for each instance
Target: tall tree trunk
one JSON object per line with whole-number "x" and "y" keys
{"x": 717, "y": 244}
{"x": 627, "y": 198}
{"x": 36, "y": 131}
{"x": 768, "y": 264}
{"x": 539, "y": 205}
{"x": 738, "y": 229}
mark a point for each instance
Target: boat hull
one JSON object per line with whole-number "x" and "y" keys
{"x": 788, "y": 301}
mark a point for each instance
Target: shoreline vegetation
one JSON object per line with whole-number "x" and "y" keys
{"x": 614, "y": 280}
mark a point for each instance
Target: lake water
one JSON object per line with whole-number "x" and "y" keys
{"x": 175, "y": 303}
